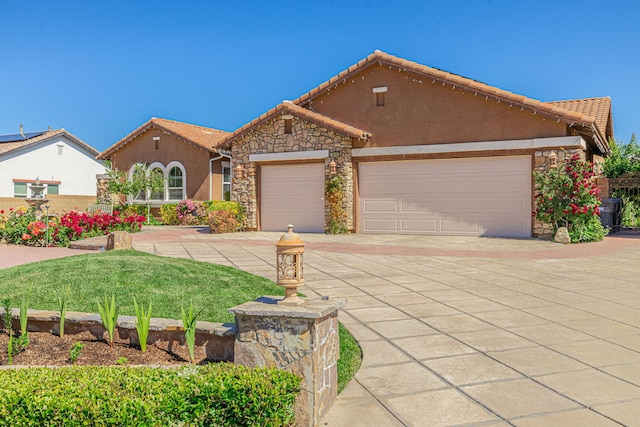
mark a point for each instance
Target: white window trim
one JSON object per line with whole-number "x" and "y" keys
{"x": 180, "y": 166}
{"x": 165, "y": 171}
{"x": 158, "y": 165}
{"x": 131, "y": 199}
{"x": 230, "y": 182}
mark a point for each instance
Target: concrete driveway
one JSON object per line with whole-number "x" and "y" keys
{"x": 466, "y": 331}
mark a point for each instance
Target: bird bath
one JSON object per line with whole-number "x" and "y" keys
{"x": 37, "y": 198}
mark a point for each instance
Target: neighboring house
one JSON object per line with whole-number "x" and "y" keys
{"x": 63, "y": 162}
{"x": 183, "y": 153}
{"x": 421, "y": 151}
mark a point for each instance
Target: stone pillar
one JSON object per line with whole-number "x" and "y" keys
{"x": 102, "y": 192}
{"x": 302, "y": 339}
{"x": 118, "y": 240}
{"x": 605, "y": 190}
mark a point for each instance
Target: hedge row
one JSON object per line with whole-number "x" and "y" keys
{"x": 217, "y": 394}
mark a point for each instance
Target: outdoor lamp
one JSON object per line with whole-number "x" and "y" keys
{"x": 332, "y": 167}
{"x": 240, "y": 172}
{"x": 289, "y": 251}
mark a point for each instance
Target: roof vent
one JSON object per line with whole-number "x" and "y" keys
{"x": 22, "y": 131}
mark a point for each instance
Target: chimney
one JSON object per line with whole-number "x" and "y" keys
{"x": 22, "y": 131}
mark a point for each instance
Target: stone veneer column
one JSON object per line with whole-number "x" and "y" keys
{"x": 102, "y": 191}
{"x": 302, "y": 339}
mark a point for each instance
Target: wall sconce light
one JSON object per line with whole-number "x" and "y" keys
{"x": 597, "y": 168}
{"x": 240, "y": 173}
{"x": 553, "y": 160}
{"x": 333, "y": 168}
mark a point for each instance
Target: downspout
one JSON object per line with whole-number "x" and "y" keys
{"x": 211, "y": 160}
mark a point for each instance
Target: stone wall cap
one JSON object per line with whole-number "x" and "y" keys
{"x": 128, "y": 322}
{"x": 311, "y": 308}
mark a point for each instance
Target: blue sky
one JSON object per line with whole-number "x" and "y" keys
{"x": 102, "y": 68}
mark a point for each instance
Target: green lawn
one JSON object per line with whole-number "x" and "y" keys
{"x": 169, "y": 283}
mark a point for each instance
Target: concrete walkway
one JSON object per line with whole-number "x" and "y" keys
{"x": 465, "y": 331}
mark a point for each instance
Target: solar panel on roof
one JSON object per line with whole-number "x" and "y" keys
{"x": 19, "y": 137}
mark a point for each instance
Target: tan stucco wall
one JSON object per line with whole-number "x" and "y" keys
{"x": 195, "y": 161}
{"x": 418, "y": 112}
{"x": 57, "y": 203}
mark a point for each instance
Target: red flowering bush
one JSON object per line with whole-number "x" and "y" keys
{"x": 22, "y": 227}
{"x": 567, "y": 196}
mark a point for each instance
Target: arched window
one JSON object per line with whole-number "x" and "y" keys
{"x": 137, "y": 174}
{"x": 159, "y": 194}
{"x": 176, "y": 183}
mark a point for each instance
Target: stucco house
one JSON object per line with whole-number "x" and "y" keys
{"x": 421, "y": 151}
{"x": 185, "y": 155}
{"x": 63, "y": 162}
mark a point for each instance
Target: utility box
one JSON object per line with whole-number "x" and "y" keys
{"x": 610, "y": 213}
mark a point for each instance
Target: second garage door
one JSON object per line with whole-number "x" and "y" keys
{"x": 292, "y": 194}
{"x": 478, "y": 196}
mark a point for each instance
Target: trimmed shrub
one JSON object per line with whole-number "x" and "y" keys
{"x": 234, "y": 207}
{"x": 222, "y": 222}
{"x": 169, "y": 214}
{"x": 220, "y": 395}
{"x": 191, "y": 213}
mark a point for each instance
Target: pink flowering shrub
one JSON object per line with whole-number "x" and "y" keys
{"x": 22, "y": 227}
{"x": 189, "y": 212}
{"x": 567, "y": 196}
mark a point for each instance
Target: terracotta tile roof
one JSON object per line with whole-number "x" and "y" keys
{"x": 570, "y": 116}
{"x": 198, "y": 136}
{"x": 303, "y": 113}
{"x": 600, "y": 108}
{"x": 7, "y": 147}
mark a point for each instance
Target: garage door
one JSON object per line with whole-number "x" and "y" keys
{"x": 292, "y": 194}
{"x": 479, "y": 196}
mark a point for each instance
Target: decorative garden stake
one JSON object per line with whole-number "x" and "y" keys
{"x": 289, "y": 251}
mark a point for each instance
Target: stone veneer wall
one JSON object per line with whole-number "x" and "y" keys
{"x": 302, "y": 339}
{"x": 540, "y": 229}
{"x": 305, "y": 136}
{"x": 102, "y": 190}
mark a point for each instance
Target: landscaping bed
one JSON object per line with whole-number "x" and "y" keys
{"x": 47, "y": 349}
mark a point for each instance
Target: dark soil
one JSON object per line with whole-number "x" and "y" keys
{"x": 46, "y": 349}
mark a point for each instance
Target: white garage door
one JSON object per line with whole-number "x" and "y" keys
{"x": 481, "y": 196}
{"x": 292, "y": 194}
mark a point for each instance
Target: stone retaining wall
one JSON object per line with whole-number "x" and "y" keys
{"x": 302, "y": 339}
{"x": 214, "y": 340}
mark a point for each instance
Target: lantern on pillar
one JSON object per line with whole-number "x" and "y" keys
{"x": 289, "y": 251}
{"x": 553, "y": 159}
